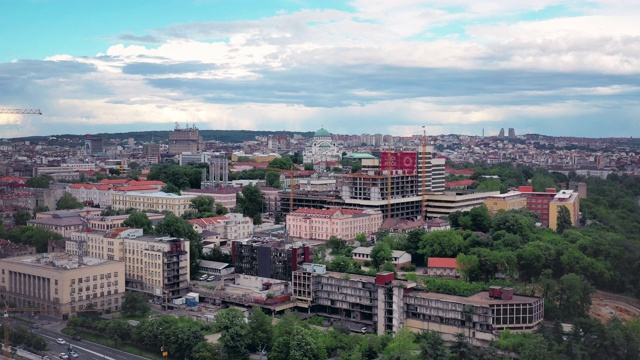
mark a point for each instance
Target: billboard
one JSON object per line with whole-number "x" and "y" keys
{"x": 405, "y": 161}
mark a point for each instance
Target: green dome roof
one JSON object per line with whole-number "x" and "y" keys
{"x": 325, "y": 145}
{"x": 322, "y": 133}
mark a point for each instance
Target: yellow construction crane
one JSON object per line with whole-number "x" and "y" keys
{"x": 424, "y": 175}
{"x": 21, "y": 111}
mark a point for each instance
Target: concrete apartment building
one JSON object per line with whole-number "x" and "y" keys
{"x": 373, "y": 302}
{"x": 157, "y": 266}
{"x": 159, "y": 201}
{"x": 62, "y": 282}
{"x": 266, "y": 258}
{"x": 321, "y": 224}
{"x": 185, "y": 140}
{"x": 538, "y": 201}
{"x": 480, "y": 317}
{"x": 382, "y": 304}
{"x": 508, "y": 201}
{"x": 104, "y": 223}
{"x": 440, "y": 205}
{"x": 569, "y": 199}
{"x": 61, "y": 224}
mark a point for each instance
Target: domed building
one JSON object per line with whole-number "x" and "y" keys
{"x": 321, "y": 148}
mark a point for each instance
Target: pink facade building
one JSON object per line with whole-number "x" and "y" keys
{"x": 321, "y": 224}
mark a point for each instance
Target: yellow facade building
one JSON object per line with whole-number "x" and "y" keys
{"x": 510, "y": 201}
{"x": 568, "y": 198}
{"x": 157, "y": 266}
{"x": 62, "y": 283}
{"x": 159, "y": 201}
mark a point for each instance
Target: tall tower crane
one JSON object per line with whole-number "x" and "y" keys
{"x": 21, "y": 111}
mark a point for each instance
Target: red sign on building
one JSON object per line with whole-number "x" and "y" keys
{"x": 405, "y": 161}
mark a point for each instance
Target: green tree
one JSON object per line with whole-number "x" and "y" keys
{"x": 31, "y": 235}
{"x": 402, "y": 347}
{"x": 139, "y": 220}
{"x": 171, "y": 189}
{"x": 234, "y": 332}
{"x": 380, "y": 254}
{"x": 175, "y": 226}
{"x": 119, "y": 331}
{"x": 462, "y": 350}
{"x": 41, "y": 208}
{"x": 491, "y": 185}
{"x": 260, "y": 329}
{"x": 541, "y": 182}
{"x": 467, "y": 265}
{"x": 40, "y": 182}
{"x": 480, "y": 219}
{"x": 21, "y": 217}
{"x": 202, "y": 204}
{"x": 134, "y": 304}
{"x": 414, "y": 237}
{"x": 447, "y": 243}
{"x": 206, "y": 351}
{"x": 301, "y": 344}
{"x": 574, "y": 297}
{"x": 284, "y": 163}
{"x": 564, "y": 219}
{"x": 68, "y": 202}
{"x": 337, "y": 245}
{"x": 431, "y": 346}
{"x": 250, "y": 202}
{"x": 308, "y": 166}
{"x": 273, "y": 179}
{"x": 221, "y": 210}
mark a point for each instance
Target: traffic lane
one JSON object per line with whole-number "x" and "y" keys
{"x": 85, "y": 349}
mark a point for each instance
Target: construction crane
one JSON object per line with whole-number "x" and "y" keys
{"x": 7, "y": 310}
{"x": 21, "y": 111}
{"x": 424, "y": 174}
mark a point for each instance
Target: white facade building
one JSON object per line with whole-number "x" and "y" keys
{"x": 321, "y": 148}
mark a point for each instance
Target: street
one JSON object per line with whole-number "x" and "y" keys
{"x": 50, "y": 331}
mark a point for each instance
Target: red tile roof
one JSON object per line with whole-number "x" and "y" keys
{"x": 445, "y": 263}
{"x": 135, "y": 188}
{"x": 206, "y": 221}
{"x": 464, "y": 172}
{"x": 146, "y": 182}
{"x": 461, "y": 183}
{"x": 114, "y": 181}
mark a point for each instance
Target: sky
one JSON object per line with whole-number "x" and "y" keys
{"x": 560, "y": 68}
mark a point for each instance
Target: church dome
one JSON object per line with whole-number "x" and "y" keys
{"x": 322, "y": 133}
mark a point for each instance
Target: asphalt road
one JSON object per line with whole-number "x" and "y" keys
{"x": 85, "y": 349}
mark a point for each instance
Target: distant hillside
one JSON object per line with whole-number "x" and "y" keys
{"x": 230, "y": 136}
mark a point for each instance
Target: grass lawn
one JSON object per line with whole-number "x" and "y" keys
{"x": 110, "y": 343}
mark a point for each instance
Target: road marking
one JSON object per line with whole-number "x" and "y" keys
{"x": 83, "y": 349}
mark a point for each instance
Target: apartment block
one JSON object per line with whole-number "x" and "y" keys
{"x": 224, "y": 196}
{"x": 321, "y": 224}
{"x": 159, "y": 201}
{"x": 373, "y": 302}
{"x": 509, "y": 201}
{"x": 440, "y": 205}
{"x": 538, "y": 201}
{"x": 157, "y": 266}
{"x": 185, "y": 140}
{"x": 569, "y": 199}
{"x": 480, "y": 317}
{"x": 62, "y": 283}
{"x": 266, "y": 258}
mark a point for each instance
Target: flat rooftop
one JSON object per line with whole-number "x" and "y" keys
{"x": 480, "y": 299}
{"x": 56, "y": 261}
{"x": 158, "y": 194}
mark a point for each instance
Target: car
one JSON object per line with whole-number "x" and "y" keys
{"x": 76, "y": 337}
{"x": 64, "y": 356}
{"x": 73, "y": 355}
{"x": 211, "y": 278}
{"x": 60, "y": 341}
{"x": 204, "y": 277}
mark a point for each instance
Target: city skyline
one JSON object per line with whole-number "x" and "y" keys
{"x": 457, "y": 67}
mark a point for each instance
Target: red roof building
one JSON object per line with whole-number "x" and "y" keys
{"x": 442, "y": 267}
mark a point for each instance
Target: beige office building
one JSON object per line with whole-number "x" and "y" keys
{"x": 62, "y": 283}
{"x": 159, "y": 201}
{"x": 157, "y": 266}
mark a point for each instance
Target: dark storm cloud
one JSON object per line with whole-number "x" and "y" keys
{"x": 166, "y": 69}
{"x": 331, "y": 87}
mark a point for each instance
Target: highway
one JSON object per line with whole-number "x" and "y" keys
{"x": 86, "y": 350}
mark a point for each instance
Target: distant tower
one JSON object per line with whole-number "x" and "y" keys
{"x": 501, "y": 134}
{"x": 512, "y": 133}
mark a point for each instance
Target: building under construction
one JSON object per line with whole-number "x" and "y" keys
{"x": 267, "y": 258}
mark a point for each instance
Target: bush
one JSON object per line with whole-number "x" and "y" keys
{"x": 408, "y": 267}
{"x": 366, "y": 263}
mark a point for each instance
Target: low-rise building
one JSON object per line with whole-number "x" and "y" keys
{"x": 321, "y": 224}
{"x": 441, "y": 205}
{"x": 61, "y": 225}
{"x": 509, "y": 201}
{"x": 398, "y": 258}
{"x": 62, "y": 283}
{"x": 224, "y": 196}
{"x": 229, "y": 227}
{"x": 216, "y": 268}
{"x": 158, "y": 201}
{"x": 442, "y": 267}
{"x": 157, "y": 266}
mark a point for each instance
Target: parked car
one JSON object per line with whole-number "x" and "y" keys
{"x": 64, "y": 356}
{"x": 211, "y": 278}
{"x": 73, "y": 354}
{"x": 60, "y": 341}
{"x": 204, "y": 277}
